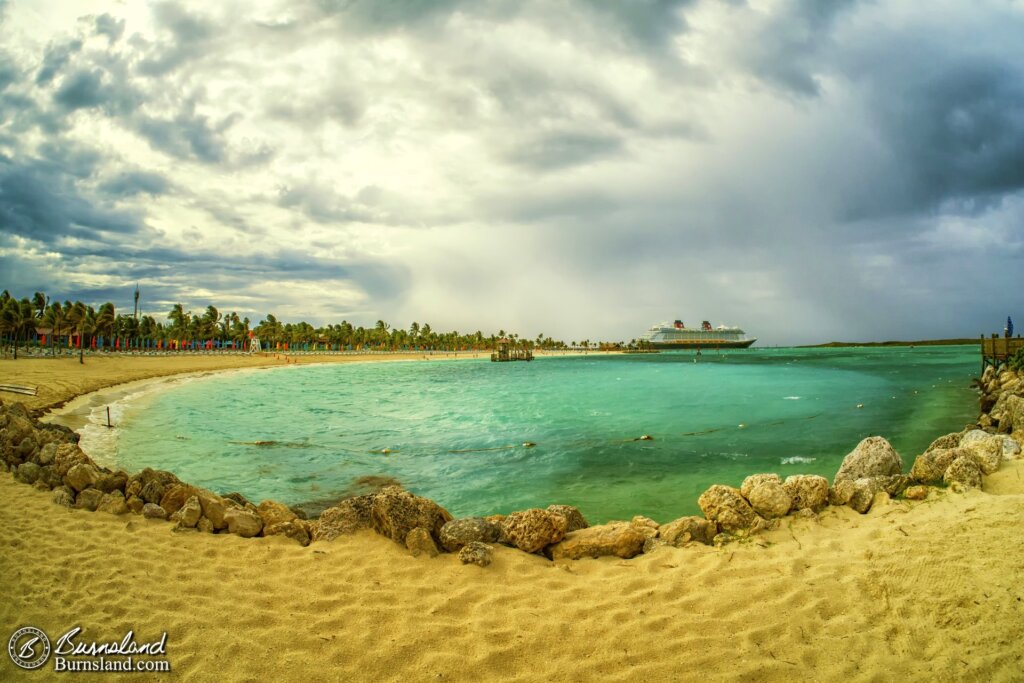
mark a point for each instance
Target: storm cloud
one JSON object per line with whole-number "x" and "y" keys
{"x": 809, "y": 170}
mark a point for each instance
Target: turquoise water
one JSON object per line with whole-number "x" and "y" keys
{"x": 455, "y": 430}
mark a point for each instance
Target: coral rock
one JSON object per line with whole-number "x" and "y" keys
{"x": 243, "y": 522}
{"x": 420, "y": 542}
{"x": 686, "y": 529}
{"x": 461, "y": 532}
{"x": 965, "y": 472}
{"x": 533, "y": 530}
{"x": 727, "y": 507}
{"x": 809, "y": 491}
{"x": 873, "y": 457}
{"x": 395, "y": 512}
{"x": 573, "y": 517}
{"x": 294, "y": 529}
{"x": 617, "y": 540}
{"x": 476, "y": 553}
{"x": 348, "y": 516}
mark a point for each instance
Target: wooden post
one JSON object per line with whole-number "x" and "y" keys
{"x": 108, "y": 417}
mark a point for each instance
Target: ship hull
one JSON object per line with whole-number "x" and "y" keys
{"x": 694, "y": 344}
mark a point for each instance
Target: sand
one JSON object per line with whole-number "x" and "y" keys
{"x": 911, "y": 591}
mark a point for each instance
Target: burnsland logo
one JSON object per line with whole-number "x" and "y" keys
{"x": 29, "y": 648}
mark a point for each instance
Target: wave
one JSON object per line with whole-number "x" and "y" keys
{"x": 796, "y": 460}
{"x": 791, "y": 398}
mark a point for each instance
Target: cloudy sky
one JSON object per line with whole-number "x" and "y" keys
{"x": 809, "y": 170}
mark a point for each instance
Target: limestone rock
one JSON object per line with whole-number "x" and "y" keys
{"x": 175, "y": 496}
{"x": 972, "y": 436}
{"x": 767, "y": 495}
{"x": 47, "y": 454}
{"x": 929, "y": 467}
{"x": 153, "y": 511}
{"x": 652, "y": 544}
{"x": 82, "y": 476}
{"x": 645, "y": 525}
{"x": 965, "y": 472}
{"x": 243, "y": 522}
{"x": 727, "y": 507}
{"x": 214, "y": 507}
{"x": 348, "y": 516}
{"x": 894, "y": 485}
{"x": 205, "y": 526}
{"x": 916, "y": 492}
{"x": 873, "y": 457}
{"x": 951, "y": 440}
{"x": 856, "y": 493}
{"x": 1011, "y": 449}
{"x": 988, "y": 453}
{"x": 113, "y": 503}
{"x": 27, "y": 472}
{"x": 534, "y": 529}
{"x": 89, "y": 499}
{"x": 616, "y": 539}
{"x": 293, "y": 529}
{"x": 1013, "y": 417}
{"x": 187, "y": 515}
{"x": 420, "y": 542}
{"x": 48, "y": 474}
{"x": 109, "y": 482}
{"x": 809, "y": 491}
{"x": 573, "y": 517}
{"x": 135, "y": 504}
{"x": 68, "y": 455}
{"x": 461, "y": 532}
{"x": 272, "y": 512}
{"x": 395, "y": 512}
{"x": 476, "y": 553}
{"x": 63, "y": 496}
{"x": 686, "y": 529}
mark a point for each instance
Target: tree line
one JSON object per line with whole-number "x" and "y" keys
{"x": 107, "y": 329}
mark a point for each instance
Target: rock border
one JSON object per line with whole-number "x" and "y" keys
{"x": 48, "y": 457}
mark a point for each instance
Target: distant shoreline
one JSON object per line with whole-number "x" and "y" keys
{"x": 925, "y": 342}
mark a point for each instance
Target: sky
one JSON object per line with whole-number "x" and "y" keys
{"x": 808, "y": 170}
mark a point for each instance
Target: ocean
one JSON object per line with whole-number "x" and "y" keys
{"x": 458, "y": 432}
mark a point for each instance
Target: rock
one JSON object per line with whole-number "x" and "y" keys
{"x": 894, "y": 485}
{"x": 113, "y": 503}
{"x": 972, "y": 436}
{"x": 89, "y": 499}
{"x": 856, "y": 493}
{"x": 153, "y": 491}
{"x": 767, "y": 495}
{"x": 47, "y": 454}
{"x": 652, "y": 544}
{"x": 272, "y": 512}
{"x": 1013, "y": 417}
{"x": 112, "y": 481}
{"x": 238, "y": 498}
{"x": 645, "y": 525}
{"x": 135, "y": 504}
{"x": 150, "y": 485}
{"x": 1011, "y": 449}
{"x": 63, "y": 496}
{"x": 48, "y": 474}
{"x": 175, "y": 496}
{"x": 293, "y": 529}
{"x": 420, "y": 542}
{"x": 616, "y": 539}
{"x": 809, "y": 491}
{"x": 573, "y": 517}
{"x": 727, "y": 507}
{"x": 242, "y": 522}
{"x": 27, "y": 448}
{"x": 40, "y": 486}
{"x": 153, "y": 511}
{"x": 534, "y": 529}
{"x": 988, "y": 453}
{"x": 68, "y": 455}
{"x": 929, "y": 467}
{"x": 348, "y": 516}
{"x": 686, "y": 529}
{"x": 187, "y": 515}
{"x": 395, "y": 512}
{"x": 214, "y": 507}
{"x": 459, "y": 533}
{"x": 916, "y": 492}
{"x": 873, "y": 457}
{"x": 951, "y": 440}
{"x": 27, "y": 472}
{"x": 82, "y": 476}
{"x": 204, "y": 525}
{"x": 965, "y": 472}
{"x": 476, "y": 553}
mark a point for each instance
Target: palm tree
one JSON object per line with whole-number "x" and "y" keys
{"x": 178, "y": 317}
{"x": 105, "y": 319}
{"x": 55, "y": 318}
{"x": 84, "y": 319}
{"x": 40, "y": 301}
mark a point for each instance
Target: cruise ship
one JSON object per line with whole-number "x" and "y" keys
{"x": 678, "y": 336}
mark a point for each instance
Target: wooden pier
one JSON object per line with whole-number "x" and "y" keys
{"x": 507, "y": 351}
{"x": 996, "y": 351}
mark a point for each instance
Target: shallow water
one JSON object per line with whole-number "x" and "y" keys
{"x": 454, "y": 431}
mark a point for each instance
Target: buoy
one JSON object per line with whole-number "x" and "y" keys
{"x": 860, "y": 405}
{"x": 528, "y": 444}
{"x": 385, "y": 451}
{"x": 742, "y": 426}
{"x": 646, "y": 437}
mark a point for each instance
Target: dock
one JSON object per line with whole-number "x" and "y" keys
{"x": 996, "y": 350}
{"x": 507, "y": 351}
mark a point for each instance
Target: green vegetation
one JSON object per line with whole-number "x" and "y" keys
{"x": 1016, "y": 361}
{"x": 924, "y": 342}
{"x": 105, "y": 328}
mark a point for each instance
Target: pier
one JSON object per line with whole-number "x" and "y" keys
{"x": 996, "y": 350}
{"x": 507, "y": 351}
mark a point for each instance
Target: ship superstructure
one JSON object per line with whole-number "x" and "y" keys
{"x": 677, "y": 335}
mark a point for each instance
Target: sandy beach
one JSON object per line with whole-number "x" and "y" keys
{"x": 924, "y": 590}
